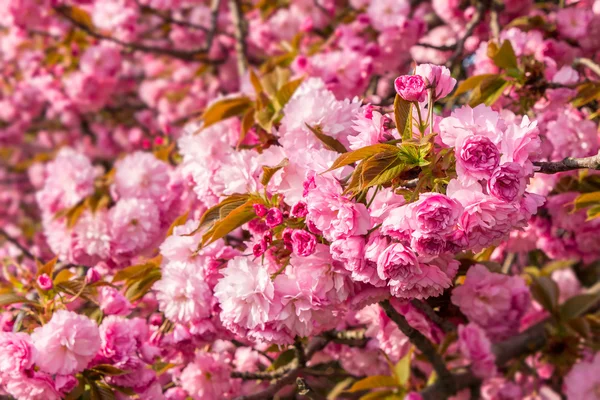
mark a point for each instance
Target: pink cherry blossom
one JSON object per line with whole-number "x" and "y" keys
{"x": 66, "y": 344}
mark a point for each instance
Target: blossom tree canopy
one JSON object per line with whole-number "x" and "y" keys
{"x": 301, "y": 199}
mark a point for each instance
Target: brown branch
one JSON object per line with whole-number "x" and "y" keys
{"x": 266, "y": 375}
{"x": 446, "y": 379}
{"x": 15, "y": 242}
{"x": 568, "y": 164}
{"x": 590, "y": 64}
{"x": 198, "y": 55}
{"x": 239, "y": 24}
{"x": 307, "y": 391}
{"x": 430, "y": 313}
{"x": 446, "y": 47}
{"x": 302, "y": 354}
{"x": 469, "y": 29}
{"x": 167, "y": 18}
{"x": 527, "y": 342}
{"x": 354, "y": 338}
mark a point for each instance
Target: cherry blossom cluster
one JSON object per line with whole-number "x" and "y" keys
{"x": 226, "y": 199}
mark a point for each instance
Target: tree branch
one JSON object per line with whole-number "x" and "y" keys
{"x": 469, "y": 29}
{"x": 198, "y": 55}
{"x": 590, "y": 64}
{"x": 424, "y": 308}
{"x": 446, "y": 379}
{"x": 15, "y": 242}
{"x": 239, "y": 24}
{"x": 568, "y": 164}
{"x": 529, "y": 341}
{"x": 293, "y": 369}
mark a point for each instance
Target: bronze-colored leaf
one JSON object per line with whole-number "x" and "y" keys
{"x": 329, "y": 142}
{"x": 225, "y": 108}
{"x": 268, "y": 172}
{"x": 236, "y": 218}
{"x": 403, "y": 117}
{"x": 361, "y": 154}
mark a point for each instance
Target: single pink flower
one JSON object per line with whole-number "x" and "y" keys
{"x": 66, "y": 344}
{"x": 303, "y": 242}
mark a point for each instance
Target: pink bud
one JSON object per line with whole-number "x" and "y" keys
{"x": 92, "y": 276}
{"x": 260, "y": 210}
{"x": 299, "y": 210}
{"x": 259, "y": 248}
{"x": 411, "y": 87}
{"x": 274, "y": 217}
{"x": 44, "y": 282}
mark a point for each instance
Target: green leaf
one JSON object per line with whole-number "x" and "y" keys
{"x": 586, "y": 93}
{"x": 329, "y": 142}
{"x": 488, "y": 91}
{"x": 402, "y": 369}
{"x": 578, "y": 305}
{"x": 265, "y": 117}
{"x": 7, "y": 299}
{"x": 247, "y": 123}
{"x": 527, "y": 23}
{"x": 77, "y": 391}
{"x": 139, "y": 288}
{"x": 225, "y": 108}
{"x": 47, "y": 268}
{"x": 545, "y": 291}
{"x": 79, "y": 15}
{"x": 284, "y": 359}
{"x": 387, "y": 175}
{"x": 182, "y": 219}
{"x": 374, "y": 168}
{"x": 403, "y": 117}
{"x": 378, "y": 395}
{"x": 100, "y": 391}
{"x": 472, "y": 82}
{"x": 268, "y": 172}
{"x": 586, "y": 199}
{"x": 255, "y": 80}
{"x": 361, "y": 154}
{"x": 552, "y": 266}
{"x": 286, "y": 92}
{"x": 373, "y": 382}
{"x": 236, "y": 218}
{"x": 414, "y": 155}
{"x": 138, "y": 271}
{"x": 220, "y": 211}
{"x": 107, "y": 369}
{"x": 504, "y": 57}
{"x": 593, "y": 213}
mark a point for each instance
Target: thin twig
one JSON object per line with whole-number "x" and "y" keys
{"x": 469, "y": 29}
{"x": 590, "y": 64}
{"x": 193, "y": 55}
{"x": 424, "y": 345}
{"x": 527, "y": 342}
{"x": 14, "y": 241}
{"x": 445, "y": 47}
{"x": 568, "y": 164}
{"x": 429, "y": 312}
{"x": 307, "y": 391}
{"x": 316, "y": 344}
{"x": 495, "y": 9}
{"x": 239, "y": 24}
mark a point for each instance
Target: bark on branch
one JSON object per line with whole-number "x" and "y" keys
{"x": 527, "y": 342}
{"x": 568, "y": 164}
{"x": 446, "y": 379}
{"x": 199, "y": 55}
